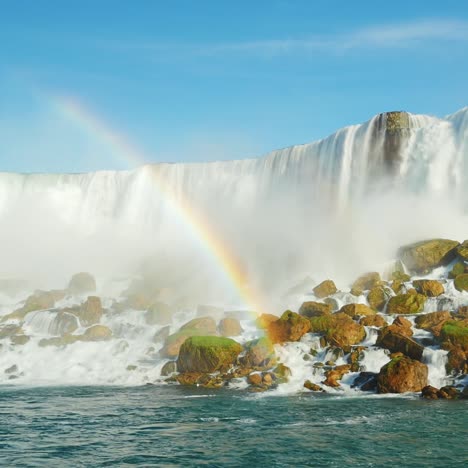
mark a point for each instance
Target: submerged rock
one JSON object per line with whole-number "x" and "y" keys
{"x": 401, "y": 375}
{"x": 289, "y": 327}
{"x": 97, "y": 333}
{"x": 324, "y": 289}
{"x": 63, "y": 323}
{"x": 207, "y": 354}
{"x": 333, "y": 376}
{"x": 424, "y": 256}
{"x": 445, "y": 393}
{"x": 406, "y": 304}
{"x": 82, "y": 283}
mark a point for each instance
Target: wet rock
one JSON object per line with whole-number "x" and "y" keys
{"x": 357, "y": 310}
{"x": 161, "y": 334}
{"x": 430, "y": 393}
{"x": 282, "y": 373}
{"x": 265, "y": 319}
{"x": 424, "y": 256}
{"x": 378, "y": 297}
{"x": 366, "y": 282}
{"x": 461, "y": 282}
{"x": 333, "y": 376}
{"x": 207, "y": 354}
{"x": 433, "y": 321}
{"x": 159, "y": 313}
{"x": 12, "y": 369}
{"x": 457, "y": 269}
{"x": 90, "y": 312}
{"x": 401, "y": 325}
{"x": 189, "y": 378}
{"x": 209, "y": 310}
{"x": 259, "y": 354}
{"x": 268, "y": 379}
{"x": 332, "y": 302}
{"x": 401, "y": 276}
{"x": 205, "y": 325}
{"x": 454, "y": 333}
{"x": 82, "y": 283}
{"x": 324, "y": 289}
{"x": 406, "y": 304}
{"x": 289, "y": 327}
{"x": 315, "y": 309}
{"x": 230, "y": 327}
{"x": 373, "y": 321}
{"x": 19, "y": 340}
{"x": 97, "y": 333}
{"x": 402, "y": 375}
{"x": 255, "y": 378}
{"x": 339, "y": 330}
{"x": 462, "y": 312}
{"x": 430, "y": 288}
{"x": 462, "y": 251}
{"x": 63, "y": 323}
{"x": 9, "y": 330}
{"x": 366, "y": 382}
{"x": 312, "y": 386}
{"x": 169, "y": 368}
{"x": 446, "y": 393}
{"x": 396, "y": 342}
{"x": 173, "y": 342}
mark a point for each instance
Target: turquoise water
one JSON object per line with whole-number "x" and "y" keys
{"x": 171, "y": 426}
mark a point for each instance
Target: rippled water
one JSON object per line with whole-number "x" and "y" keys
{"x": 171, "y": 425}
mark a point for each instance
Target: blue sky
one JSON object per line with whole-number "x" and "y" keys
{"x": 206, "y": 80}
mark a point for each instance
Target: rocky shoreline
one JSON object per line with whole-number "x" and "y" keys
{"x": 404, "y": 317}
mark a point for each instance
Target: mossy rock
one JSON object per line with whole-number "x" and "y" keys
{"x": 264, "y": 320}
{"x": 457, "y": 269}
{"x": 426, "y": 255}
{"x": 357, "y": 310}
{"x": 289, "y": 327}
{"x": 366, "y": 282}
{"x": 378, "y": 297}
{"x": 431, "y": 320}
{"x": 373, "y": 321}
{"x": 398, "y": 343}
{"x": 400, "y": 276}
{"x": 406, "y": 304}
{"x": 324, "y": 289}
{"x": 461, "y": 282}
{"x": 173, "y": 342}
{"x": 170, "y": 367}
{"x": 207, "y": 354}
{"x": 462, "y": 251}
{"x": 455, "y": 332}
{"x": 315, "y": 309}
{"x": 402, "y": 374}
{"x": 430, "y": 288}
{"x": 207, "y": 325}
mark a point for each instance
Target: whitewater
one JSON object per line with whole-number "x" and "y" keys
{"x": 334, "y": 208}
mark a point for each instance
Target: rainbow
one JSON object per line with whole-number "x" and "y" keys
{"x": 200, "y": 227}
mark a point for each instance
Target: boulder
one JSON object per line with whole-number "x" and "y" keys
{"x": 82, "y": 283}
{"x": 289, "y": 327}
{"x": 454, "y": 333}
{"x": 401, "y": 276}
{"x": 173, "y": 342}
{"x": 406, "y": 304}
{"x": 457, "y": 269}
{"x": 432, "y": 321}
{"x": 357, "y": 310}
{"x": 430, "y": 288}
{"x": 324, "y": 289}
{"x": 378, "y": 297}
{"x": 161, "y": 334}
{"x": 90, "y": 312}
{"x": 312, "y": 386}
{"x": 366, "y": 282}
{"x": 205, "y": 325}
{"x": 398, "y": 343}
{"x": 373, "y": 321}
{"x": 265, "y": 319}
{"x": 255, "y": 378}
{"x": 315, "y": 309}
{"x": 97, "y": 333}
{"x": 169, "y": 368}
{"x": 457, "y": 361}
{"x": 339, "y": 330}
{"x": 461, "y": 282}
{"x": 63, "y": 323}
{"x": 333, "y": 376}
{"x": 159, "y": 313}
{"x": 282, "y": 373}
{"x": 207, "y": 354}
{"x": 9, "y": 330}
{"x": 426, "y": 255}
{"x": 400, "y": 325}
{"x": 446, "y": 393}
{"x": 229, "y": 327}
{"x": 402, "y": 374}
{"x": 259, "y": 354}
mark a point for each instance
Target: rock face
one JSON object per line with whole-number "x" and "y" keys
{"x": 169, "y": 368}
{"x": 429, "y": 288}
{"x": 207, "y": 354}
{"x": 82, "y": 283}
{"x": 324, "y": 289}
{"x": 289, "y": 327}
{"x": 402, "y": 374}
{"x": 229, "y": 327}
{"x": 423, "y": 256}
{"x": 315, "y": 309}
{"x": 461, "y": 282}
{"x": 339, "y": 330}
{"x": 259, "y": 354}
{"x": 406, "y": 304}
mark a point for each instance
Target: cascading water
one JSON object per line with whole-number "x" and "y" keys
{"x": 331, "y": 208}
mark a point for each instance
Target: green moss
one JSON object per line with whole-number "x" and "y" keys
{"x": 406, "y": 304}
{"x": 456, "y": 332}
{"x": 461, "y": 282}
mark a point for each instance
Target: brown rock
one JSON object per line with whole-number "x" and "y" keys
{"x": 366, "y": 281}
{"x": 430, "y": 288}
{"x": 357, "y": 310}
{"x": 255, "y": 378}
{"x": 336, "y": 374}
{"x": 457, "y": 361}
{"x": 409, "y": 303}
{"x": 433, "y": 321}
{"x": 259, "y": 354}
{"x": 90, "y": 311}
{"x": 402, "y": 375}
{"x": 324, "y": 289}
{"x": 373, "y": 321}
{"x": 396, "y": 342}
{"x": 230, "y": 327}
{"x": 290, "y": 327}
{"x": 378, "y": 297}
{"x": 315, "y": 309}
{"x": 312, "y": 386}
{"x": 265, "y": 319}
